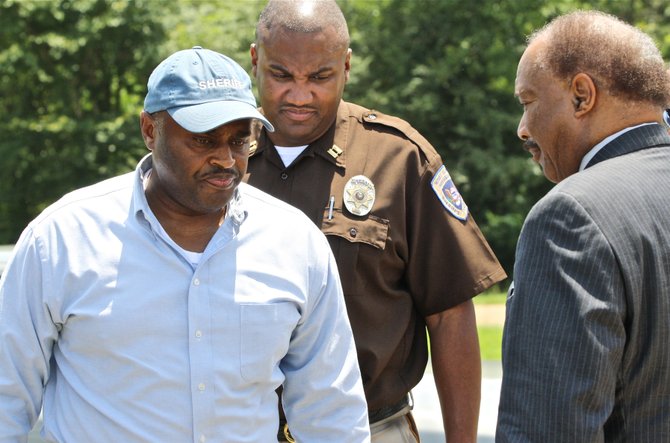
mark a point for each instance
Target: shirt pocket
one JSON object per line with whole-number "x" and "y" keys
{"x": 265, "y": 335}
{"x": 352, "y": 241}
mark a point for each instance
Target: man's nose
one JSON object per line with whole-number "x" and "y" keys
{"x": 522, "y": 130}
{"x": 300, "y": 94}
{"x": 222, "y": 157}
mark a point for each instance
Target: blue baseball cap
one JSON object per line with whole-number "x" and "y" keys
{"x": 201, "y": 90}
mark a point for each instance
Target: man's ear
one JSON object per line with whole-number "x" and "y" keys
{"x": 584, "y": 93}
{"x": 253, "y": 51}
{"x": 347, "y": 65}
{"x": 148, "y": 129}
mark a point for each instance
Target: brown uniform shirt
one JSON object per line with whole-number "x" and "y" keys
{"x": 409, "y": 257}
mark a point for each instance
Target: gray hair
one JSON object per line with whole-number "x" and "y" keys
{"x": 618, "y": 57}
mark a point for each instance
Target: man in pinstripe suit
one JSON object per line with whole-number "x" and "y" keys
{"x": 586, "y": 345}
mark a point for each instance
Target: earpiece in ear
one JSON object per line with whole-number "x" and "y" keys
{"x": 577, "y": 102}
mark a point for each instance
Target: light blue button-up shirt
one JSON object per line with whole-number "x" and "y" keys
{"x": 106, "y": 324}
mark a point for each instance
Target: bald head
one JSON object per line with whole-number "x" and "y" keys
{"x": 621, "y": 59}
{"x": 303, "y": 16}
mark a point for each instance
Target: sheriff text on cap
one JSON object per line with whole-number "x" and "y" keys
{"x": 201, "y": 90}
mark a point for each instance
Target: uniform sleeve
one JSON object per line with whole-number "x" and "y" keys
{"x": 323, "y": 394}
{"x": 449, "y": 259}
{"x": 27, "y": 335}
{"x": 564, "y": 332}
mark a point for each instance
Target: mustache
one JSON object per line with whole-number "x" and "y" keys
{"x": 530, "y": 144}
{"x": 219, "y": 173}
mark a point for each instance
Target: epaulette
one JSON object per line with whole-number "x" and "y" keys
{"x": 377, "y": 118}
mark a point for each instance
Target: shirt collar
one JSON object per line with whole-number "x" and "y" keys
{"x": 589, "y": 155}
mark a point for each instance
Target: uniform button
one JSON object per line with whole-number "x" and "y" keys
{"x": 202, "y": 439}
{"x": 201, "y": 387}
{"x": 284, "y": 175}
{"x": 198, "y": 334}
{"x": 353, "y": 232}
{"x": 196, "y": 282}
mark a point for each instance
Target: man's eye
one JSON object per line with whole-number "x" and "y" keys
{"x": 239, "y": 142}
{"x": 202, "y": 140}
{"x": 280, "y": 75}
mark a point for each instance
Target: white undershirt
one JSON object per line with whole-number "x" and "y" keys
{"x": 289, "y": 153}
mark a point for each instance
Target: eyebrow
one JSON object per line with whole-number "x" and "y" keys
{"x": 286, "y": 71}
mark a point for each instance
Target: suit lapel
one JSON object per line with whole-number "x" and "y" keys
{"x": 648, "y": 136}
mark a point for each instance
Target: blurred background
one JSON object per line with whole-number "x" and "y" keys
{"x": 73, "y": 78}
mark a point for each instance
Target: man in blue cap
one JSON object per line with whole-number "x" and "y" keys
{"x": 169, "y": 303}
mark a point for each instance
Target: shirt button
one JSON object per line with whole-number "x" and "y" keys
{"x": 196, "y": 282}
{"x": 284, "y": 175}
{"x": 202, "y": 439}
{"x": 201, "y": 387}
{"x": 198, "y": 334}
{"x": 353, "y": 232}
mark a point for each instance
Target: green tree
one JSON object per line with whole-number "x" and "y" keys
{"x": 72, "y": 78}
{"x": 228, "y": 28}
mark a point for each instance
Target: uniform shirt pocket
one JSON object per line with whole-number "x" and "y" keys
{"x": 265, "y": 334}
{"x": 358, "y": 244}
{"x": 371, "y": 230}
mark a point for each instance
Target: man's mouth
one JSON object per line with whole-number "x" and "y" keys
{"x": 533, "y": 149}
{"x": 298, "y": 114}
{"x": 222, "y": 181}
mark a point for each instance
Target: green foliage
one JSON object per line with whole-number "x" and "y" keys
{"x": 73, "y": 76}
{"x": 214, "y": 25}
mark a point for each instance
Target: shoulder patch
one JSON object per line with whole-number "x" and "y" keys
{"x": 446, "y": 191}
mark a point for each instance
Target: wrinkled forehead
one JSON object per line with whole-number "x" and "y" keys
{"x": 299, "y": 52}
{"x": 326, "y": 37}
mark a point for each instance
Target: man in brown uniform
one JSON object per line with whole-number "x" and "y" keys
{"x": 408, "y": 252}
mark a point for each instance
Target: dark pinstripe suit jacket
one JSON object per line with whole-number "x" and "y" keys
{"x": 586, "y": 347}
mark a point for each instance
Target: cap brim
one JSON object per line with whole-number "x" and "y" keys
{"x": 207, "y": 116}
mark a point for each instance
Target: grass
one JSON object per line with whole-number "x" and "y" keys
{"x": 493, "y": 297}
{"x": 490, "y": 342}
{"x": 490, "y": 337}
